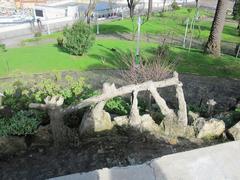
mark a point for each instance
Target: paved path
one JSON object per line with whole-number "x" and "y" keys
{"x": 220, "y": 162}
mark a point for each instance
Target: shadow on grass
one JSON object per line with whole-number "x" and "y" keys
{"x": 111, "y": 29}
{"x": 109, "y": 57}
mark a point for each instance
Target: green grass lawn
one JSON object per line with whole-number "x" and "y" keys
{"x": 173, "y": 22}
{"x": 48, "y": 58}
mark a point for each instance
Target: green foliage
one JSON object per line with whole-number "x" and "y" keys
{"x": 175, "y": 6}
{"x": 78, "y": 39}
{"x": 118, "y": 106}
{"x": 163, "y": 51}
{"x": 20, "y": 96}
{"x": 37, "y": 34}
{"x": 236, "y": 10}
{"x": 60, "y": 41}
{"x": 189, "y": 10}
{"x": 2, "y": 48}
{"x": 22, "y": 123}
{"x": 202, "y": 110}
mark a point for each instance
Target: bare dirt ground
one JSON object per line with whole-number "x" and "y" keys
{"x": 120, "y": 147}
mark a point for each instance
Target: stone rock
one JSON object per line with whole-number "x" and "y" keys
{"x": 235, "y": 131}
{"x": 121, "y": 120}
{"x": 43, "y": 137}
{"x": 95, "y": 122}
{"x": 211, "y": 129}
{"x": 149, "y": 125}
{"x": 105, "y": 123}
{"x": 192, "y": 117}
{"x": 173, "y": 128}
{"x": 12, "y": 145}
{"x": 199, "y": 123}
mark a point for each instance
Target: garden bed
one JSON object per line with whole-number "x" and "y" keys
{"x": 120, "y": 147}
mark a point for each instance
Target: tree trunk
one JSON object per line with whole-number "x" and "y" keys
{"x": 236, "y": 9}
{"x": 150, "y": 6}
{"x": 164, "y": 3}
{"x": 62, "y": 135}
{"x": 197, "y": 4}
{"x": 131, "y": 12}
{"x": 213, "y": 45}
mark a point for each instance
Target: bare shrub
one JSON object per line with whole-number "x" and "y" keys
{"x": 154, "y": 68}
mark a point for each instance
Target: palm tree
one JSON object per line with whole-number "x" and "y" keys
{"x": 213, "y": 45}
{"x": 236, "y": 14}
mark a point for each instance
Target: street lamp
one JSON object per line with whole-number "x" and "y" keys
{"x": 137, "y": 57}
{"x": 1, "y": 100}
{"x": 97, "y": 23}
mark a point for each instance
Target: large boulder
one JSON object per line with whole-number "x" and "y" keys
{"x": 95, "y": 122}
{"x": 234, "y": 132}
{"x": 104, "y": 123}
{"x": 12, "y": 145}
{"x": 211, "y": 129}
{"x": 43, "y": 136}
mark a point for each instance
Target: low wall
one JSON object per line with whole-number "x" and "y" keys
{"x": 9, "y": 32}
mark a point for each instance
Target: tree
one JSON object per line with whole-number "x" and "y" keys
{"x": 197, "y": 3}
{"x": 150, "y": 6}
{"x": 236, "y": 14}
{"x": 90, "y": 9}
{"x": 132, "y": 5}
{"x": 213, "y": 45}
{"x": 164, "y": 3}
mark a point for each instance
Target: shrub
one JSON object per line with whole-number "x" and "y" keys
{"x": 3, "y": 48}
{"x": 38, "y": 34}
{"x": 118, "y": 106}
{"x": 20, "y": 96}
{"x": 175, "y": 6}
{"x": 60, "y": 41}
{"x": 155, "y": 68}
{"x": 22, "y": 123}
{"x": 78, "y": 39}
{"x": 163, "y": 51}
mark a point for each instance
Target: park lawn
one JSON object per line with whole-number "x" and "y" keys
{"x": 48, "y": 58}
{"x": 173, "y": 23}
{"x": 195, "y": 62}
{"x": 54, "y": 36}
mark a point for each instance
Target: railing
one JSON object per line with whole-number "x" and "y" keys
{"x": 56, "y": 112}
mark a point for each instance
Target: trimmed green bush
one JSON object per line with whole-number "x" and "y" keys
{"x": 60, "y": 41}
{"x": 78, "y": 39}
{"x": 3, "y": 48}
{"x": 22, "y": 123}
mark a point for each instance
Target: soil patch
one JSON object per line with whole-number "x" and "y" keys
{"x": 120, "y": 147}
